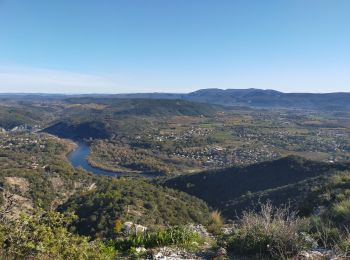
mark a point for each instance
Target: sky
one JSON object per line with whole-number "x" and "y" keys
{"x": 124, "y": 46}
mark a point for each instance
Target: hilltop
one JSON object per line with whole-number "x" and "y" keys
{"x": 231, "y": 190}
{"x": 86, "y": 117}
{"x": 272, "y": 99}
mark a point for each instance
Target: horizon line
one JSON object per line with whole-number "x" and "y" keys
{"x": 158, "y": 92}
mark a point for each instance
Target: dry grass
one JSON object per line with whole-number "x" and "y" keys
{"x": 216, "y": 222}
{"x": 277, "y": 232}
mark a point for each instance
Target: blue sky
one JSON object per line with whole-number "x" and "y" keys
{"x": 90, "y": 46}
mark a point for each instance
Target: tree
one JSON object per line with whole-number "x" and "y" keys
{"x": 45, "y": 235}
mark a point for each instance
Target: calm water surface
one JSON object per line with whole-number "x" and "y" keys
{"x": 78, "y": 158}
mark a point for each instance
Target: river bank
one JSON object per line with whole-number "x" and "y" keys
{"x": 102, "y": 166}
{"x": 78, "y": 157}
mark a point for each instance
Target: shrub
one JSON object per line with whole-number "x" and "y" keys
{"x": 44, "y": 236}
{"x": 331, "y": 236}
{"x": 325, "y": 232}
{"x": 276, "y": 232}
{"x": 343, "y": 245}
{"x": 216, "y": 222}
{"x": 340, "y": 210}
{"x": 118, "y": 226}
{"x": 177, "y": 235}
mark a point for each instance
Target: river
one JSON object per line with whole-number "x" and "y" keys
{"x": 78, "y": 158}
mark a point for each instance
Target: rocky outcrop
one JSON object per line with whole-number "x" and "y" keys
{"x": 319, "y": 255}
{"x": 168, "y": 253}
{"x": 130, "y": 228}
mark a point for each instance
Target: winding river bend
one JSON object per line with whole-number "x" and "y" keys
{"x": 78, "y": 158}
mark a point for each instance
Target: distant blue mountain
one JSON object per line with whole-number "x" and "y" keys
{"x": 258, "y": 98}
{"x": 232, "y": 97}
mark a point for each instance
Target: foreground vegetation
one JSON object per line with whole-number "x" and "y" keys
{"x": 279, "y": 233}
{"x": 269, "y": 233}
{"x": 45, "y": 235}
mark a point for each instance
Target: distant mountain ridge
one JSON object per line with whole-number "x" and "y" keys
{"x": 272, "y": 99}
{"x": 258, "y": 98}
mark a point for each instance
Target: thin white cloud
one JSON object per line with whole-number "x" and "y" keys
{"x": 51, "y": 81}
{"x": 36, "y": 80}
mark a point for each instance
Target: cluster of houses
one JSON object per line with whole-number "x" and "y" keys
{"x": 217, "y": 156}
{"x": 335, "y": 141}
{"x": 21, "y": 128}
{"x": 14, "y": 142}
{"x": 19, "y": 142}
{"x": 182, "y": 136}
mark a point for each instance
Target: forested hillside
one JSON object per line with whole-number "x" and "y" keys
{"x": 133, "y": 200}
{"x": 36, "y": 180}
{"x": 286, "y": 180}
{"x": 105, "y": 117}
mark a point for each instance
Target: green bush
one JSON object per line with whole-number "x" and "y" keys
{"x": 276, "y": 232}
{"x": 340, "y": 210}
{"x": 343, "y": 245}
{"x": 44, "y": 236}
{"x": 325, "y": 232}
{"x": 328, "y": 235}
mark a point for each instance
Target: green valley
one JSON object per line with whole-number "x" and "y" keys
{"x": 184, "y": 178}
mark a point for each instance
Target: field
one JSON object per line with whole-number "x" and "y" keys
{"x": 183, "y": 144}
{"x": 138, "y": 135}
